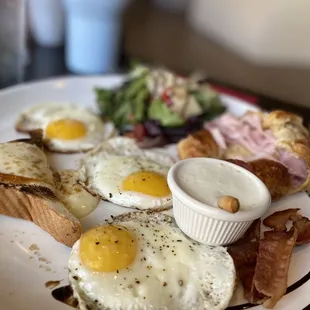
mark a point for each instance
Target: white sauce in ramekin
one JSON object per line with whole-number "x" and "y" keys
{"x": 207, "y": 183}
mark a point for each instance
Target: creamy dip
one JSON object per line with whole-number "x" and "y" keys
{"x": 207, "y": 182}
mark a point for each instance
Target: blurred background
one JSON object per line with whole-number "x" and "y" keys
{"x": 261, "y": 48}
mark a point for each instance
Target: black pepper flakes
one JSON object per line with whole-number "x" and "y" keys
{"x": 110, "y": 195}
{"x": 75, "y": 278}
{"x": 116, "y": 241}
{"x": 117, "y": 271}
{"x": 137, "y": 282}
{"x": 165, "y": 284}
{"x": 97, "y": 243}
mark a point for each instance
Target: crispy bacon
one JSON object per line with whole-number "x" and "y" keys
{"x": 303, "y": 227}
{"x": 244, "y": 254}
{"x": 262, "y": 264}
{"x": 274, "y": 256}
{"x": 246, "y": 275}
{"x": 278, "y": 220}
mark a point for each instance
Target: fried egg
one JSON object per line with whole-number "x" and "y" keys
{"x": 66, "y": 128}
{"x": 143, "y": 261}
{"x": 119, "y": 171}
{"x": 72, "y": 194}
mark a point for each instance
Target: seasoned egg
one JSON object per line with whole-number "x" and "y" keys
{"x": 66, "y": 128}
{"x": 76, "y": 199}
{"x": 143, "y": 261}
{"x": 122, "y": 173}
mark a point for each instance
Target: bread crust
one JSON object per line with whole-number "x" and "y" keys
{"x": 288, "y": 131}
{"x": 48, "y": 214}
{"x": 198, "y": 144}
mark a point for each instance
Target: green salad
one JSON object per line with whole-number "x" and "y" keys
{"x": 161, "y": 98}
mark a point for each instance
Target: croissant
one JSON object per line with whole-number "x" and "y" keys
{"x": 274, "y": 145}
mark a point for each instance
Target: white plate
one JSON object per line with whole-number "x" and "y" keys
{"x": 24, "y": 271}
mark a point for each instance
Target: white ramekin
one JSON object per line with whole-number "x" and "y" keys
{"x": 208, "y": 224}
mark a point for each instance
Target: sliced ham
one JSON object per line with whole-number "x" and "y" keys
{"x": 296, "y": 167}
{"x": 246, "y": 131}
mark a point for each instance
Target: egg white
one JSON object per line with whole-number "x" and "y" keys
{"x": 104, "y": 168}
{"x": 123, "y": 146}
{"x": 170, "y": 272}
{"x": 105, "y": 177}
{"x": 38, "y": 117}
{"x": 73, "y": 195}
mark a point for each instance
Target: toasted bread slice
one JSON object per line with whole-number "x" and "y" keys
{"x": 28, "y": 191}
{"x": 50, "y": 215}
{"x": 25, "y": 164}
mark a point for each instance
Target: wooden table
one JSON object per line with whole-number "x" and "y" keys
{"x": 166, "y": 39}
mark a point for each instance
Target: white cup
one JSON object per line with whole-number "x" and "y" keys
{"x": 93, "y": 30}
{"x": 46, "y": 21}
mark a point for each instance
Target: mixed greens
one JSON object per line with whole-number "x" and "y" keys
{"x": 159, "y": 98}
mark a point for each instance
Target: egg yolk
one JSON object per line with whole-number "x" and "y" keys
{"x": 108, "y": 248}
{"x": 148, "y": 183}
{"x": 66, "y": 129}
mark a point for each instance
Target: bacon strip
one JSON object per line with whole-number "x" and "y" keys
{"x": 262, "y": 264}
{"x": 278, "y": 220}
{"x": 274, "y": 256}
{"x": 303, "y": 227}
{"x": 244, "y": 254}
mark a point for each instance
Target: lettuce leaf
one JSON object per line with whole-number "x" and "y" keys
{"x": 159, "y": 111}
